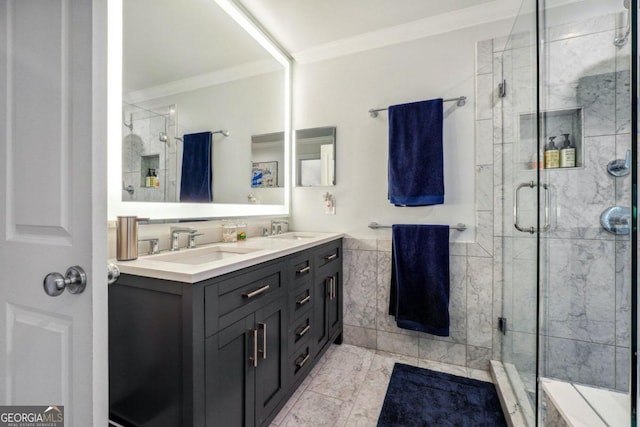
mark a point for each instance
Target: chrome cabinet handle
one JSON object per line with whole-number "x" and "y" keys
{"x": 330, "y": 257}
{"x": 304, "y": 270}
{"x": 263, "y": 326}
{"x": 254, "y": 359}
{"x": 301, "y": 363}
{"x": 304, "y": 300}
{"x": 256, "y": 292}
{"x": 332, "y": 287}
{"x": 75, "y": 280}
{"x": 303, "y": 331}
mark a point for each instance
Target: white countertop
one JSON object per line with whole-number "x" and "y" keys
{"x": 264, "y": 249}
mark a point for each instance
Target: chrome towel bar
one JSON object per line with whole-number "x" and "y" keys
{"x": 460, "y": 101}
{"x": 459, "y": 226}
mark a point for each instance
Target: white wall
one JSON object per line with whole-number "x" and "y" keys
{"x": 339, "y": 92}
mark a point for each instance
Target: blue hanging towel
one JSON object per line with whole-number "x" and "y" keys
{"x": 420, "y": 278}
{"x": 415, "y": 154}
{"x": 195, "y": 185}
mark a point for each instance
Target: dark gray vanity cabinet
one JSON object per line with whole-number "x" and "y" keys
{"x": 228, "y": 351}
{"x": 328, "y": 295}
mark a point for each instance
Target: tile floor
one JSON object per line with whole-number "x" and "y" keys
{"x": 348, "y": 385}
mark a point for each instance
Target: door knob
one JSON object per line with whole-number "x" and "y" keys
{"x": 113, "y": 273}
{"x": 75, "y": 279}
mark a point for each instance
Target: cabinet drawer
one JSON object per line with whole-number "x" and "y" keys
{"x": 300, "y": 300}
{"x": 233, "y": 298}
{"x": 330, "y": 253}
{"x": 299, "y": 333}
{"x": 301, "y": 268}
{"x": 299, "y": 364}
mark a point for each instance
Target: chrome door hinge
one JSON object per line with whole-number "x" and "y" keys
{"x": 502, "y": 325}
{"x": 502, "y": 89}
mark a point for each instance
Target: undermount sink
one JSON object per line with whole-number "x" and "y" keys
{"x": 203, "y": 255}
{"x": 293, "y": 236}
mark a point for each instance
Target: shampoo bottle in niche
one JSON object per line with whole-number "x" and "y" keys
{"x": 551, "y": 154}
{"x": 567, "y": 153}
{"x": 156, "y": 181}
{"x": 147, "y": 179}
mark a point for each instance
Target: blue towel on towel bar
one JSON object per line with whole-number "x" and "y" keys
{"x": 195, "y": 184}
{"x": 420, "y": 278}
{"x": 415, "y": 154}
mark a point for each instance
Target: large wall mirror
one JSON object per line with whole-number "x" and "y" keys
{"x": 190, "y": 69}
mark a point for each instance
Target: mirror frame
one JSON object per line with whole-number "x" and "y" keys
{"x": 154, "y": 210}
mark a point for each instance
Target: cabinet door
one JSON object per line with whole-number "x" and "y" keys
{"x": 320, "y": 326}
{"x": 230, "y": 375}
{"x": 334, "y": 304}
{"x": 271, "y": 322}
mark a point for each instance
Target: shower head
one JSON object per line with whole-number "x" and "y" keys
{"x": 222, "y": 131}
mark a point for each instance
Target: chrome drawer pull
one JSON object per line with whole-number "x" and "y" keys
{"x": 301, "y": 363}
{"x": 263, "y": 326}
{"x": 330, "y": 257}
{"x": 254, "y": 359}
{"x": 256, "y": 292}
{"x": 304, "y": 300}
{"x": 303, "y": 331}
{"x": 304, "y": 270}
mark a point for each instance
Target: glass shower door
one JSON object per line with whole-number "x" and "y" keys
{"x": 517, "y": 101}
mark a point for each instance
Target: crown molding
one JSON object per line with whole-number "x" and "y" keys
{"x": 434, "y": 25}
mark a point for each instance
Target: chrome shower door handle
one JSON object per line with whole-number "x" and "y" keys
{"x": 547, "y": 208}
{"x": 516, "y": 208}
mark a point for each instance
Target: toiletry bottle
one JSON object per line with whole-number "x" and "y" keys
{"x": 147, "y": 179}
{"x": 551, "y": 154}
{"x": 156, "y": 181}
{"x": 152, "y": 181}
{"x": 567, "y": 153}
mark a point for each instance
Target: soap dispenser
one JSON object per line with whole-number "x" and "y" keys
{"x": 551, "y": 154}
{"x": 147, "y": 179}
{"x": 567, "y": 153}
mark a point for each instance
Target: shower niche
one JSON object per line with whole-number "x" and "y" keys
{"x": 561, "y": 140}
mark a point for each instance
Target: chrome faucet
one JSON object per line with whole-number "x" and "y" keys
{"x": 175, "y": 234}
{"x": 191, "y": 243}
{"x": 153, "y": 244}
{"x": 276, "y": 226}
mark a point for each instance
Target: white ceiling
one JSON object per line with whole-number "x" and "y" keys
{"x": 300, "y": 25}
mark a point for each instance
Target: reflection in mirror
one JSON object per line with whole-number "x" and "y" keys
{"x": 208, "y": 76}
{"x": 315, "y": 157}
{"x": 267, "y": 172}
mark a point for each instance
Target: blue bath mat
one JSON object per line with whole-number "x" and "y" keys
{"x": 421, "y": 397}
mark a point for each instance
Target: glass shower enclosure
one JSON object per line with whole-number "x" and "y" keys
{"x": 563, "y": 108}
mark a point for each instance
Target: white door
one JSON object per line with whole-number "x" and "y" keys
{"x": 53, "y": 350}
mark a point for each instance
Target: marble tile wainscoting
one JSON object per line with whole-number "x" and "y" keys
{"x": 367, "y": 274}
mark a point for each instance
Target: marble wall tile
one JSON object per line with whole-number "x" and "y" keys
{"x": 484, "y": 188}
{"x": 522, "y": 351}
{"x": 460, "y": 371}
{"x": 596, "y": 93}
{"x": 384, "y": 245}
{"x": 458, "y": 299}
{"x": 582, "y": 290}
{"x": 484, "y": 56}
{"x": 623, "y": 101}
{"x": 484, "y": 99}
{"x": 362, "y": 337}
{"x": 398, "y": 343}
{"x": 582, "y": 362}
{"x": 457, "y": 249}
{"x": 443, "y": 351}
{"x": 478, "y": 357}
{"x": 623, "y": 293}
{"x": 479, "y": 301}
{"x": 580, "y": 195}
{"x": 568, "y": 63}
{"x": 360, "y": 288}
{"x": 360, "y": 244}
{"x": 581, "y": 28}
{"x": 623, "y": 365}
{"x": 484, "y": 235}
{"x": 484, "y": 142}
{"x": 623, "y": 184}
